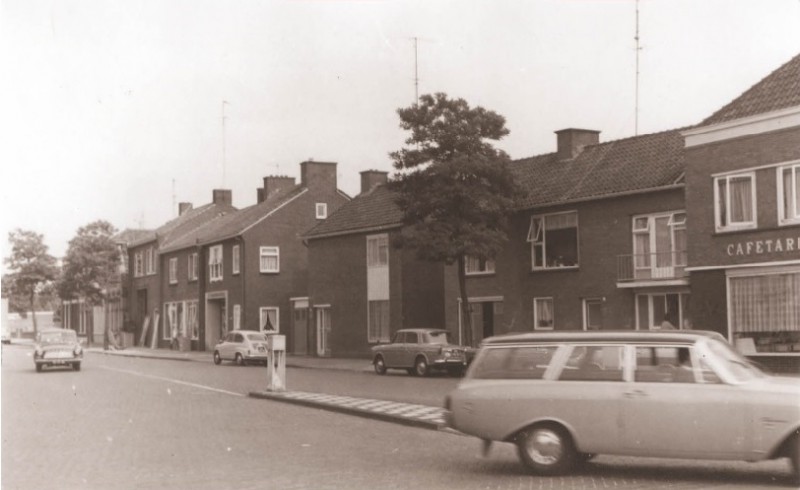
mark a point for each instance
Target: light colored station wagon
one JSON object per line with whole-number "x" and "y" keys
{"x": 563, "y": 397}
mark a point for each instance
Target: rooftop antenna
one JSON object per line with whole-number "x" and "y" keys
{"x": 416, "y": 74}
{"x": 638, "y": 49}
{"x": 224, "y": 103}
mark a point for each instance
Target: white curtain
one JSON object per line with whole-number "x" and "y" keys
{"x": 768, "y": 303}
{"x": 741, "y": 200}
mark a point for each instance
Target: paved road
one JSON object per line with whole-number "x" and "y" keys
{"x": 139, "y": 423}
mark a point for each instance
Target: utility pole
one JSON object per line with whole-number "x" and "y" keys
{"x": 638, "y": 48}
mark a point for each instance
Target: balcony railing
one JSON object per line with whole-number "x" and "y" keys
{"x": 651, "y": 267}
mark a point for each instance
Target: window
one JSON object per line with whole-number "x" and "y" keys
{"x": 475, "y": 266}
{"x": 735, "y": 202}
{"x": 269, "y": 319}
{"x": 173, "y": 319}
{"x": 593, "y": 314}
{"x": 659, "y": 244}
{"x": 237, "y": 317}
{"x": 664, "y": 364}
{"x": 378, "y": 250}
{"x": 662, "y": 311}
{"x": 543, "y": 314}
{"x": 270, "y": 260}
{"x": 138, "y": 264}
{"x": 215, "y": 263}
{"x": 378, "y": 321}
{"x": 764, "y": 311}
{"x": 594, "y": 363}
{"x": 322, "y": 210}
{"x": 150, "y": 261}
{"x": 173, "y": 270}
{"x": 789, "y": 194}
{"x": 235, "y": 258}
{"x": 192, "y": 267}
{"x": 554, "y": 240}
{"x": 515, "y": 363}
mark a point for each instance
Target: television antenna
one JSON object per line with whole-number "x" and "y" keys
{"x": 638, "y": 49}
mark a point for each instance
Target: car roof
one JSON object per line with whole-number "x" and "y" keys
{"x": 246, "y": 331}
{"x": 604, "y": 336}
{"x": 422, "y": 330}
{"x": 49, "y": 330}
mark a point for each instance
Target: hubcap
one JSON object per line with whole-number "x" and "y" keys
{"x": 545, "y": 447}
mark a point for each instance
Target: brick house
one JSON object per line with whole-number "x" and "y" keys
{"x": 252, "y": 267}
{"x": 361, "y": 288}
{"x": 743, "y": 201}
{"x": 146, "y": 266}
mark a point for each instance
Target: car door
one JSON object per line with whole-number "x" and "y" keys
{"x": 676, "y": 406}
{"x": 391, "y": 351}
{"x": 224, "y": 347}
{"x": 409, "y": 350}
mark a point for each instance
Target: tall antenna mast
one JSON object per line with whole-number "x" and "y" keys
{"x": 416, "y": 74}
{"x": 224, "y": 103}
{"x": 638, "y": 48}
{"x": 173, "y": 195}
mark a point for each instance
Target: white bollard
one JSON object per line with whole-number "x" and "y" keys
{"x": 276, "y": 367}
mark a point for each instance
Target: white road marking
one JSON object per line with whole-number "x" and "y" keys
{"x": 171, "y": 380}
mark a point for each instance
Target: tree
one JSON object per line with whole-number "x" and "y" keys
{"x": 91, "y": 264}
{"x": 455, "y": 189}
{"x": 31, "y": 269}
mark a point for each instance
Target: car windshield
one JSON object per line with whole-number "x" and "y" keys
{"x": 257, "y": 337}
{"x": 57, "y": 337}
{"x": 737, "y": 365}
{"x": 440, "y": 338}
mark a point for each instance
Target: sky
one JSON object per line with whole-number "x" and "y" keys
{"x": 114, "y": 109}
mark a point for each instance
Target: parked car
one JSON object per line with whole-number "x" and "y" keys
{"x": 57, "y": 347}
{"x": 242, "y": 347}
{"x": 418, "y": 351}
{"x": 563, "y": 397}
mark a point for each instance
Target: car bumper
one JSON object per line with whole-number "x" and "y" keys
{"x": 454, "y": 362}
{"x": 61, "y": 361}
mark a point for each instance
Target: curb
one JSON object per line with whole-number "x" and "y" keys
{"x": 141, "y": 356}
{"x": 423, "y": 424}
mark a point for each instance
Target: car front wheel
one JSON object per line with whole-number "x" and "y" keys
{"x": 76, "y": 366}
{"x": 217, "y": 358}
{"x": 421, "y": 366}
{"x": 380, "y": 365}
{"x": 546, "y": 449}
{"x": 239, "y": 359}
{"x": 39, "y": 368}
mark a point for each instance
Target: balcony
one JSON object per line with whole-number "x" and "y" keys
{"x": 659, "y": 268}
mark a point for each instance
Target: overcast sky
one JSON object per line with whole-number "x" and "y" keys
{"x": 113, "y": 109}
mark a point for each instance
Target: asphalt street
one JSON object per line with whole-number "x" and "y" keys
{"x": 145, "y": 423}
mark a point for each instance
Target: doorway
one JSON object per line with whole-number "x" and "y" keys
{"x": 300, "y": 326}
{"x": 141, "y": 314}
{"x": 216, "y": 324}
{"x": 323, "y": 331}
{"x": 486, "y": 315}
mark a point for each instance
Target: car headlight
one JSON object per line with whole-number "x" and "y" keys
{"x": 37, "y": 353}
{"x": 77, "y": 351}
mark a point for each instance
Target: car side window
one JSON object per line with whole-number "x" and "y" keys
{"x": 411, "y": 338}
{"x": 664, "y": 364}
{"x": 529, "y": 362}
{"x": 594, "y": 363}
{"x": 238, "y": 338}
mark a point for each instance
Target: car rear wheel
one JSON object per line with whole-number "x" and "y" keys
{"x": 794, "y": 458}
{"x": 546, "y": 449}
{"x": 380, "y": 365}
{"x": 217, "y": 358}
{"x": 421, "y": 366}
{"x": 76, "y": 366}
{"x": 239, "y": 359}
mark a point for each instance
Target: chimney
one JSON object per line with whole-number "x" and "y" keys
{"x": 183, "y": 207}
{"x": 274, "y": 184}
{"x": 571, "y": 141}
{"x": 222, "y": 196}
{"x": 372, "y": 178}
{"x": 260, "y": 194}
{"x": 320, "y": 175}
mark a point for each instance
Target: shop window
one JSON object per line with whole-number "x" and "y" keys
{"x": 765, "y": 312}
{"x": 735, "y": 202}
{"x": 554, "y": 240}
{"x": 789, "y": 194}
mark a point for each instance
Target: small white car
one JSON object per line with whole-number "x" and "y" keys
{"x": 563, "y": 397}
{"x": 242, "y": 347}
{"x": 57, "y": 347}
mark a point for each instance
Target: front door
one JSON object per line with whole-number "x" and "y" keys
{"x": 300, "y": 327}
{"x": 323, "y": 331}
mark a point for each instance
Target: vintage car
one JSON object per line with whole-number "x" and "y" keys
{"x": 57, "y": 347}
{"x": 418, "y": 351}
{"x": 242, "y": 347}
{"x": 563, "y": 397}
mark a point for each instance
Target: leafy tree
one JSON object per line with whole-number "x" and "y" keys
{"x": 91, "y": 264}
{"x": 455, "y": 189}
{"x": 31, "y": 269}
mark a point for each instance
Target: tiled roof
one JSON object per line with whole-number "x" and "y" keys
{"x": 779, "y": 90}
{"x": 635, "y": 164}
{"x": 181, "y": 225}
{"x": 374, "y": 209}
{"x": 233, "y": 224}
{"x": 616, "y": 167}
{"x": 131, "y": 235}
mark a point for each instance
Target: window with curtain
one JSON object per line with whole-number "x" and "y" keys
{"x": 192, "y": 267}
{"x": 543, "y": 314}
{"x": 237, "y": 317}
{"x": 191, "y": 319}
{"x": 173, "y": 270}
{"x": 269, "y": 319}
{"x": 215, "y": 263}
{"x": 378, "y": 250}
{"x": 554, "y": 240}
{"x": 789, "y": 194}
{"x": 735, "y": 202}
{"x": 764, "y": 312}
{"x": 235, "y": 260}
{"x": 476, "y": 265}
{"x": 270, "y": 259}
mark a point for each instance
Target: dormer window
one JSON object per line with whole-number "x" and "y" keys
{"x": 322, "y": 210}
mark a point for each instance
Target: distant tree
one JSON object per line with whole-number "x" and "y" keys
{"x": 91, "y": 263}
{"x": 455, "y": 189}
{"x": 31, "y": 269}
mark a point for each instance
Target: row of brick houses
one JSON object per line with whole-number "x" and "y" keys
{"x": 696, "y": 227}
